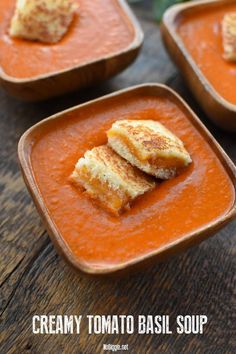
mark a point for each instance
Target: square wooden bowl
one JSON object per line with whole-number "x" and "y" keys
{"x": 63, "y": 81}
{"x": 179, "y": 244}
{"x": 221, "y": 111}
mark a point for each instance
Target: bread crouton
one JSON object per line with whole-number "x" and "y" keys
{"x": 110, "y": 180}
{"x": 229, "y": 36}
{"x": 42, "y": 20}
{"x": 149, "y": 146}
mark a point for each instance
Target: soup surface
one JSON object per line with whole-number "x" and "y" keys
{"x": 100, "y": 29}
{"x": 201, "y": 194}
{"x": 201, "y": 34}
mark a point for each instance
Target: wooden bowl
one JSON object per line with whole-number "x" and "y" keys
{"x": 49, "y": 85}
{"x": 222, "y": 112}
{"x": 154, "y": 90}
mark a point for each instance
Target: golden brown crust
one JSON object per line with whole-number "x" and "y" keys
{"x": 39, "y": 20}
{"x": 229, "y": 36}
{"x": 120, "y": 166}
{"x": 148, "y": 145}
{"x": 149, "y": 139}
{"x": 110, "y": 180}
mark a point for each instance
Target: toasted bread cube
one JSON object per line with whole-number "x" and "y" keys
{"x": 42, "y": 20}
{"x": 110, "y": 180}
{"x": 149, "y": 146}
{"x": 229, "y": 36}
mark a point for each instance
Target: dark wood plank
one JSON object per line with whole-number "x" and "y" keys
{"x": 34, "y": 280}
{"x": 188, "y": 284}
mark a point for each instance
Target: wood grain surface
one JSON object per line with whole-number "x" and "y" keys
{"x": 35, "y": 280}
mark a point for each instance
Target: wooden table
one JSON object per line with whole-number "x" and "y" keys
{"x": 35, "y": 280}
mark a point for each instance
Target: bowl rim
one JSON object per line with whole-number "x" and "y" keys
{"x": 25, "y": 143}
{"x": 169, "y": 20}
{"x": 134, "y": 44}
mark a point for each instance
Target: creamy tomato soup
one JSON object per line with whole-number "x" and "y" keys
{"x": 100, "y": 29}
{"x": 201, "y": 33}
{"x": 198, "y": 196}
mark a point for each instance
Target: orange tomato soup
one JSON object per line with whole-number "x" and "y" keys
{"x": 202, "y": 36}
{"x": 201, "y": 194}
{"x": 100, "y": 29}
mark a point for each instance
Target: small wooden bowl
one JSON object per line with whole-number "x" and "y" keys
{"x": 50, "y": 85}
{"x": 222, "y": 112}
{"x": 25, "y": 150}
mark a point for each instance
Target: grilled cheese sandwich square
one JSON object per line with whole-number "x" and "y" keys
{"x": 109, "y": 179}
{"x": 149, "y": 146}
{"x": 229, "y": 36}
{"x": 42, "y": 20}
